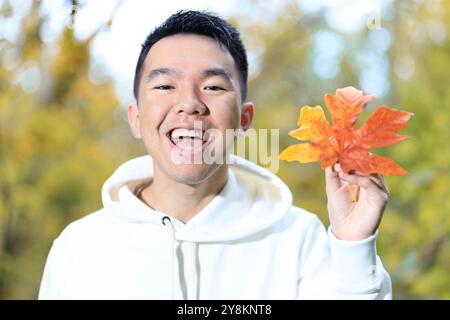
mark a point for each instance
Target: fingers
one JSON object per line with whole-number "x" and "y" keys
{"x": 379, "y": 180}
{"x": 376, "y": 178}
{"x": 373, "y": 183}
{"x": 365, "y": 182}
{"x": 332, "y": 180}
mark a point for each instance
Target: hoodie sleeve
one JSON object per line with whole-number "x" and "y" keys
{"x": 337, "y": 269}
{"x": 50, "y": 283}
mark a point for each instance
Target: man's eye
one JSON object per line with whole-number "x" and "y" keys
{"x": 163, "y": 87}
{"x": 214, "y": 88}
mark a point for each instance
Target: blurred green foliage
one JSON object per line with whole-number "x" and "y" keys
{"x": 414, "y": 240}
{"x": 62, "y": 134}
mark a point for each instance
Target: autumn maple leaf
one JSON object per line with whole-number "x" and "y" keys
{"x": 343, "y": 143}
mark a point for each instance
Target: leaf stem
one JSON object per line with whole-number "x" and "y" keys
{"x": 353, "y": 196}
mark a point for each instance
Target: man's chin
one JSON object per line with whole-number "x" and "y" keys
{"x": 192, "y": 173}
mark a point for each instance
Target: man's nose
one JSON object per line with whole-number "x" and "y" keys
{"x": 190, "y": 103}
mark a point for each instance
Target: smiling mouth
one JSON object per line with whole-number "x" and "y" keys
{"x": 188, "y": 139}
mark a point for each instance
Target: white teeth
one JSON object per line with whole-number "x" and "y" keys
{"x": 186, "y": 133}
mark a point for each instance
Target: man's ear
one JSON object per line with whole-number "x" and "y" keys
{"x": 133, "y": 120}
{"x": 247, "y": 115}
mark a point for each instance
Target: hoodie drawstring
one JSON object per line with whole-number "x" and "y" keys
{"x": 192, "y": 252}
{"x": 193, "y": 288}
{"x": 168, "y": 224}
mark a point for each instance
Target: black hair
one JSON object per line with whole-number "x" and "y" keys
{"x": 202, "y": 23}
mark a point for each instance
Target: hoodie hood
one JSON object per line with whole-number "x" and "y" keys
{"x": 252, "y": 201}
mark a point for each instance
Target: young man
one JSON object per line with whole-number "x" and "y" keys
{"x": 174, "y": 229}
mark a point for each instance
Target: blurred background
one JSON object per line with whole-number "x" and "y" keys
{"x": 66, "y": 70}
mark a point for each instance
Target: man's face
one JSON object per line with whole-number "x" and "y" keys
{"x": 187, "y": 78}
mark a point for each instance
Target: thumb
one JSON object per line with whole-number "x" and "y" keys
{"x": 333, "y": 183}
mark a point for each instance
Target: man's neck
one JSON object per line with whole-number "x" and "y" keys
{"x": 183, "y": 201}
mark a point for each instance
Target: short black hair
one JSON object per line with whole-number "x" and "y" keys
{"x": 201, "y": 23}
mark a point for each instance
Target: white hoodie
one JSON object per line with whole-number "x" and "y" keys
{"x": 250, "y": 242}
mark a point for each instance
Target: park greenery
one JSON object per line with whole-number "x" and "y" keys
{"x": 63, "y": 131}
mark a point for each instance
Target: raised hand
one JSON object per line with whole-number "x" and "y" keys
{"x": 356, "y": 202}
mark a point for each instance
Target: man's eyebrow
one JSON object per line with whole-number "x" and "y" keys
{"x": 218, "y": 72}
{"x": 159, "y": 71}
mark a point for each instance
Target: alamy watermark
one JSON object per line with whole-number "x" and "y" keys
{"x": 212, "y": 146}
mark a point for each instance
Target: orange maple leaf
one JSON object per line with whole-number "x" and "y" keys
{"x": 343, "y": 143}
